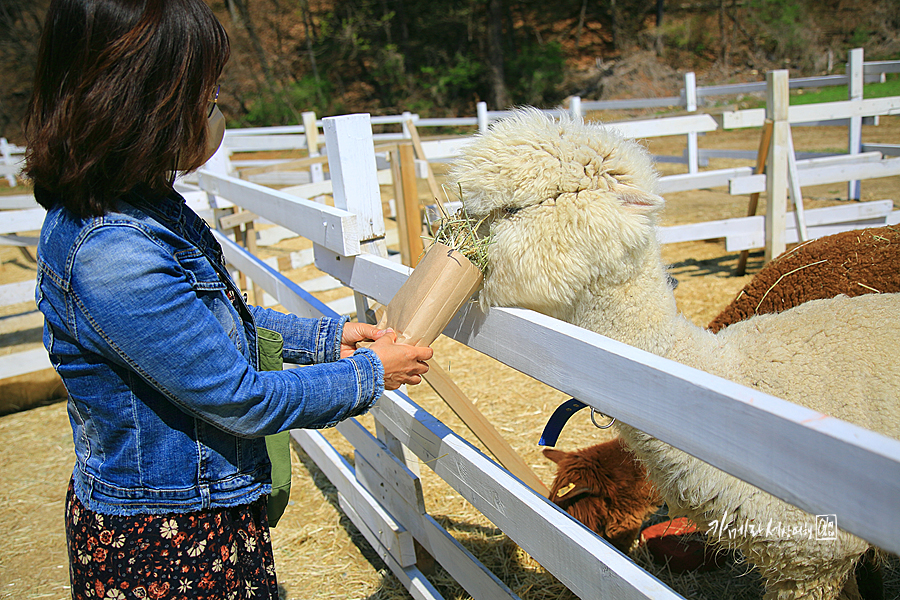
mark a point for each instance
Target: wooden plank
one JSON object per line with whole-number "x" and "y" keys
{"x": 854, "y": 131}
{"x": 826, "y": 111}
{"x": 443, "y": 148}
{"x": 17, "y": 221}
{"x": 584, "y": 562}
{"x": 709, "y": 230}
{"x": 447, "y": 389}
{"x": 237, "y": 219}
{"x": 411, "y": 577}
{"x": 288, "y": 165}
{"x": 662, "y": 127}
{"x": 587, "y": 105}
{"x": 260, "y": 143}
{"x": 310, "y": 190}
{"x": 330, "y": 227}
{"x": 794, "y": 189}
{"x": 21, "y": 363}
{"x": 819, "y": 221}
{"x": 351, "y": 161}
{"x": 16, "y": 293}
{"x": 17, "y": 201}
{"x": 834, "y": 173}
{"x": 784, "y": 448}
{"x": 762, "y": 156}
{"x": 391, "y": 535}
{"x": 420, "y": 153}
{"x": 392, "y": 472}
{"x": 473, "y": 576}
{"x": 777, "y": 101}
{"x": 704, "y": 179}
{"x": 286, "y": 292}
{"x": 885, "y": 149}
{"x": 752, "y": 228}
{"x": 791, "y": 236}
{"x": 409, "y": 211}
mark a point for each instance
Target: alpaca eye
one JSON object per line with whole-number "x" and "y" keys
{"x": 511, "y": 210}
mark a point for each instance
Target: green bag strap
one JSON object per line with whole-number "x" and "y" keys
{"x": 278, "y": 446}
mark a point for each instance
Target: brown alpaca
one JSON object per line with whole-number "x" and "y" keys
{"x": 853, "y": 263}
{"x": 605, "y": 488}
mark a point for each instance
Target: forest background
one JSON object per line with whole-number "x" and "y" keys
{"x": 440, "y": 57}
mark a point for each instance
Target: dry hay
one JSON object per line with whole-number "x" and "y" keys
{"x": 319, "y": 553}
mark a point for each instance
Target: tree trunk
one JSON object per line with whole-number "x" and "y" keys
{"x": 496, "y": 72}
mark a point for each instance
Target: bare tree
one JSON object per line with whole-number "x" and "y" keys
{"x": 496, "y": 72}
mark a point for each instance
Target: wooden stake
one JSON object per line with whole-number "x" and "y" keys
{"x": 406, "y": 197}
{"x": 761, "y": 156}
{"x": 440, "y": 381}
{"x": 420, "y": 154}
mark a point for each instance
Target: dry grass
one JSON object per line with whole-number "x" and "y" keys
{"x": 319, "y": 553}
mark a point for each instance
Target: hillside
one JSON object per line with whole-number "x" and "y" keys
{"x": 439, "y": 58}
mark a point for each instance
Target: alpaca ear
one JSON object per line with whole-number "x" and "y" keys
{"x": 554, "y": 455}
{"x": 639, "y": 200}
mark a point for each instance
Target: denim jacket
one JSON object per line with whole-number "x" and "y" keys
{"x": 167, "y": 405}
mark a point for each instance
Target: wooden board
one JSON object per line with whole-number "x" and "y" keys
{"x": 16, "y": 293}
{"x": 21, "y": 363}
{"x": 16, "y": 221}
{"x": 825, "y": 111}
{"x": 835, "y": 172}
{"x": 391, "y": 535}
{"x": 413, "y": 579}
{"x": 331, "y": 227}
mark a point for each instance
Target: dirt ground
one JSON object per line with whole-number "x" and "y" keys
{"x": 319, "y": 553}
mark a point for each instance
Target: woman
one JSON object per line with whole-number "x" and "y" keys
{"x": 153, "y": 340}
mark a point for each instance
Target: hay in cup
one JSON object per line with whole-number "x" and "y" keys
{"x": 460, "y": 232}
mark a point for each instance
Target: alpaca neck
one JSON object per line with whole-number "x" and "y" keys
{"x": 640, "y": 312}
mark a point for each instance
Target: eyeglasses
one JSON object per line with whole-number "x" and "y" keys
{"x": 213, "y": 102}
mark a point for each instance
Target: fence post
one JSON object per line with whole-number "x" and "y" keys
{"x": 481, "y": 109}
{"x": 351, "y": 161}
{"x": 7, "y": 160}
{"x": 311, "y": 130}
{"x": 777, "y": 100}
{"x": 407, "y": 117}
{"x": 351, "y": 151}
{"x": 575, "y": 107}
{"x": 690, "y": 98}
{"x": 855, "y": 76}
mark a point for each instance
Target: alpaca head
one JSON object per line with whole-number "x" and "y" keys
{"x": 604, "y": 487}
{"x": 567, "y": 203}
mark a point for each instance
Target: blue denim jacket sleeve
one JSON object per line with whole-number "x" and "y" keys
{"x": 306, "y": 341}
{"x": 163, "y": 331}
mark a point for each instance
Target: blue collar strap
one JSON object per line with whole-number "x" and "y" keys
{"x": 558, "y": 420}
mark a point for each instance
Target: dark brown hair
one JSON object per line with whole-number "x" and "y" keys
{"x": 120, "y": 97}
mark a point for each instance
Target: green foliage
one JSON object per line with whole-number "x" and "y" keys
{"x": 783, "y": 30}
{"x": 891, "y": 87}
{"x": 535, "y": 73}
{"x": 284, "y": 106}
{"x": 461, "y": 78}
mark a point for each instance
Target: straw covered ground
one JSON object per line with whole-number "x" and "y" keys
{"x": 319, "y": 553}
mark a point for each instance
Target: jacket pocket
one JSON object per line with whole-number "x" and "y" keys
{"x": 212, "y": 291}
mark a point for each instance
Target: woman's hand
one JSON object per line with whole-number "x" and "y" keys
{"x": 357, "y": 332}
{"x": 403, "y": 364}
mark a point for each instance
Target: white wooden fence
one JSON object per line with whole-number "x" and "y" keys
{"x": 821, "y": 464}
{"x": 11, "y": 160}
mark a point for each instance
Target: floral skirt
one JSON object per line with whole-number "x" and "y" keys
{"x": 218, "y": 554}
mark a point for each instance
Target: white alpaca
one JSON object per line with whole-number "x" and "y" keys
{"x": 573, "y": 215}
